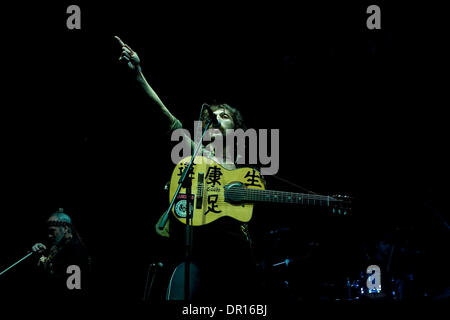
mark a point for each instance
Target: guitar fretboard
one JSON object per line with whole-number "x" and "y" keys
{"x": 287, "y": 197}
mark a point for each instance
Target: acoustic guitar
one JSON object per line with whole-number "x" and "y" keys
{"x": 217, "y": 192}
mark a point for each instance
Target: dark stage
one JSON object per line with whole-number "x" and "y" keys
{"x": 359, "y": 112}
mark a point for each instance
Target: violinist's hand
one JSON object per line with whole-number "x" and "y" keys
{"x": 129, "y": 55}
{"x": 39, "y": 247}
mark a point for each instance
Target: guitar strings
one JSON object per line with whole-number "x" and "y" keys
{"x": 281, "y": 194}
{"x": 280, "y": 197}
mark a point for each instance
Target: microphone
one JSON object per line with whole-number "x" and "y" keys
{"x": 214, "y": 121}
{"x": 285, "y": 262}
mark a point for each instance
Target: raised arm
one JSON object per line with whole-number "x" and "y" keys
{"x": 133, "y": 62}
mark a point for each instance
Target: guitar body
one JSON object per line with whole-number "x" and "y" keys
{"x": 212, "y": 191}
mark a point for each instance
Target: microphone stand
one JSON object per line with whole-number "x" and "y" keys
{"x": 151, "y": 273}
{"x": 15, "y": 263}
{"x": 186, "y": 181}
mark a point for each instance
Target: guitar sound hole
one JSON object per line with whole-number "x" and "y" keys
{"x": 234, "y": 192}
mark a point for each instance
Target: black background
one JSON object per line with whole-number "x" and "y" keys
{"x": 359, "y": 111}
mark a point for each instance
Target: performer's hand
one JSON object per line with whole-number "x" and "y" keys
{"x": 129, "y": 55}
{"x": 164, "y": 232}
{"x": 38, "y": 247}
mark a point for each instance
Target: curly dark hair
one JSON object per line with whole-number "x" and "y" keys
{"x": 235, "y": 114}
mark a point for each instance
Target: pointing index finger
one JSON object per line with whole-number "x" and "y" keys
{"x": 120, "y": 41}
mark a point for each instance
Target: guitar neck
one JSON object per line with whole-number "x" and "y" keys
{"x": 256, "y": 195}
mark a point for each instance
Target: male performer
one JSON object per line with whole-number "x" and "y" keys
{"x": 65, "y": 249}
{"x": 222, "y": 249}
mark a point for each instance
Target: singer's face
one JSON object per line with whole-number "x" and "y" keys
{"x": 226, "y": 122}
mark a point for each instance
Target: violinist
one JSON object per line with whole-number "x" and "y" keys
{"x": 65, "y": 248}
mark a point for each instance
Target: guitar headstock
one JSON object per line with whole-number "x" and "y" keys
{"x": 341, "y": 205}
